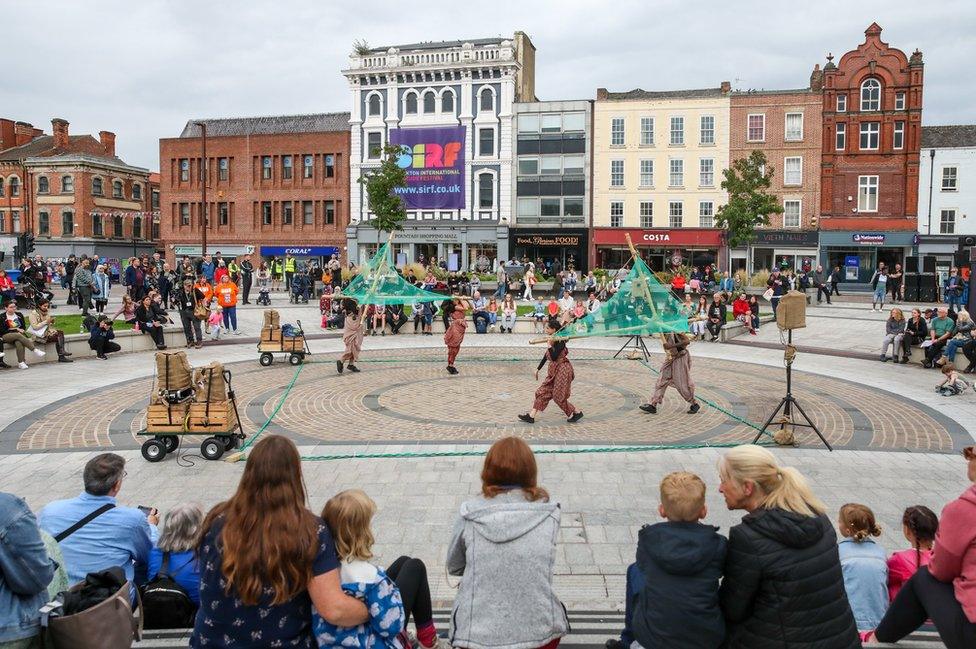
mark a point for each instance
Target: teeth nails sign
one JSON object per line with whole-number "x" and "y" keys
{"x": 434, "y": 161}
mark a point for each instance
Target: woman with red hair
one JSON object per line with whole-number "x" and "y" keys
{"x": 454, "y": 311}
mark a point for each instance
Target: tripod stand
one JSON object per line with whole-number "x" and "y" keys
{"x": 788, "y": 403}
{"x": 637, "y": 342}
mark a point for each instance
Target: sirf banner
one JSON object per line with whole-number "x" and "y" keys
{"x": 434, "y": 161}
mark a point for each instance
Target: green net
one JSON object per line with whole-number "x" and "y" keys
{"x": 642, "y": 306}
{"x": 378, "y": 282}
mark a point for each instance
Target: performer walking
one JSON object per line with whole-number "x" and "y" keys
{"x": 559, "y": 379}
{"x": 675, "y": 371}
{"x": 454, "y": 311}
{"x": 352, "y": 334}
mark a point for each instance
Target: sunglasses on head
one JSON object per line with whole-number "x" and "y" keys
{"x": 969, "y": 452}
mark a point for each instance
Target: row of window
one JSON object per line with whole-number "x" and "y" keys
{"x": 551, "y": 123}
{"x": 485, "y": 143}
{"x": 68, "y": 187}
{"x": 756, "y": 127}
{"x": 287, "y": 211}
{"x": 550, "y": 207}
{"x": 428, "y": 102}
{"x": 706, "y": 214}
{"x": 792, "y": 172}
{"x": 14, "y": 221}
{"x": 676, "y": 132}
{"x": 871, "y": 98}
{"x": 13, "y": 187}
{"x": 286, "y": 164}
{"x": 870, "y": 136}
{"x": 68, "y": 226}
{"x": 550, "y": 165}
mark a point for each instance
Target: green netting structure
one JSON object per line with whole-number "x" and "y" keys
{"x": 378, "y": 282}
{"x": 641, "y": 307}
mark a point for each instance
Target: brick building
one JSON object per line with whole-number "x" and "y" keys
{"x": 786, "y": 126}
{"x": 872, "y": 120}
{"x": 73, "y": 193}
{"x": 273, "y": 184}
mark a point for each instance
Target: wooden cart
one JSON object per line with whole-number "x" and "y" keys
{"x": 273, "y": 342}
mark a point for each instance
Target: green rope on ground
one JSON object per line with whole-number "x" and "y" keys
{"x": 274, "y": 412}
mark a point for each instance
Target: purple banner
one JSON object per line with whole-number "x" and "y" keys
{"x": 434, "y": 161}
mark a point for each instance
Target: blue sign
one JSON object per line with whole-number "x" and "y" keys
{"x": 299, "y": 251}
{"x": 852, "y": 260}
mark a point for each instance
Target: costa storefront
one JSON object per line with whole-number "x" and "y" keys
{"x": 568, "y": 247}
{"x": 660, "y": 249}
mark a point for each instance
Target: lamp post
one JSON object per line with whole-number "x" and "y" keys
{"x": 203, "y": 184}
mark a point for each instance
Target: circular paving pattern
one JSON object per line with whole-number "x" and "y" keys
{"x": 406, "y": 396}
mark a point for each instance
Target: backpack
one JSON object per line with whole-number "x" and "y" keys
{"x": 88, "y": 323}
{"x": 166, "y": 604}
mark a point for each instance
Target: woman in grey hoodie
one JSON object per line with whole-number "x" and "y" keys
{"x": 504, "y": 546}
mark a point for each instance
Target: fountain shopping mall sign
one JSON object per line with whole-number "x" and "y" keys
{"x": 434, "y": 161}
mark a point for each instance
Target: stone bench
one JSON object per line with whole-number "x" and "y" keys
{"x": 918, "y": 355}
{"x": 734, "y": 328}
{"x": 77, "y": 344}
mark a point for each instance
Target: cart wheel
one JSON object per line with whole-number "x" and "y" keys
{"x": 153, "y": 450}
{"x": 212, "y": 448}
{"x": 295, "y": 359}
{"x": 171, "y": 442}
{"x": 227, "y": 441}
{"x": 266, "y": 359}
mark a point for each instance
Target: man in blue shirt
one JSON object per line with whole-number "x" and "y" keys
{"x": 479, "y": 314}
{"x": 120, "y": 536}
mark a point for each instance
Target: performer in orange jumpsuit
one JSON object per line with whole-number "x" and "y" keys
{"x": 559, "y": 380}
{"x": 454, "y": 310}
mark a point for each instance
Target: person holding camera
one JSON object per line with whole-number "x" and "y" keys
{"x": 151, "y": 318}
{"x": 100, "y": 340}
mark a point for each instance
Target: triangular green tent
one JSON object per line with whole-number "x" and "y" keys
{"x": 641, "y": 307}
{"x": 378, "y": 282}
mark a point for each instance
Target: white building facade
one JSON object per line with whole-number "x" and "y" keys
{"x": 947, "y": 193}
{"x": 469, "y": 84}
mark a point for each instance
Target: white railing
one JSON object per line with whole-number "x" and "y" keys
{"x": 444, "y": 57}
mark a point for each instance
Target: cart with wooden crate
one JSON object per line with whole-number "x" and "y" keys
{"x": 273, "y": 341}
{"x": 202, "y": 405}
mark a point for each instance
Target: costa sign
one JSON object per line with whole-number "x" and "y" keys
{"x": 656, "y": 238}
{"x": 673, "y": 238}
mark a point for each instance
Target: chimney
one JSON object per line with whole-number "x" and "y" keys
{"x": 816, "y": 78}
{"x": 23, "y": 133}
{"x": 601, "y": 94}
{"x": 726, "y": 87}
{"x": 59, "y": 128}
{"x": 107, "y": 138}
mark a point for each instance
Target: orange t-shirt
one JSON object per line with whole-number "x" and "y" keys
{"x": 227, "y": 294}
{"x": 206, "y": 289}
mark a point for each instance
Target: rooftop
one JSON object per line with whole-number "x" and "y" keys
{"x": 43, "y": 147}
{"x": 763, "y": 91}
{"x": 941, "y": 137}
{"x": 439, "y": 45}
{"x": 637, "y": 93}
{"x": 269, "y": 125}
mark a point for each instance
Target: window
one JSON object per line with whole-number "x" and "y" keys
{"x": 573, "y": 206}
{"x": 617, "y": 131}
{"x": 374, "y": 145}
{"x": 67, "y": 224}
{"x": 374, "y": 107}
{"x": 15, "y": 186}
{"x": 899, "y": 101}
{"x": 43, "y": 186}
{"x": 528, "y": 166}
{"x": 616, "y": 173}
{"x": 118, "y": 227}
{"x": 793, "y": 171}
{"x": 308, "y": 213}
{"x": 223, "y": 168}
{"x": 549, "y": 207}
{"x": 647, "y": 214}
{"x": 154, "y": 201}
{"x": 707, "y": 129}
{"x": 947, "y": 222}
{"x": 528, "y": 207}
{"x": 286, "y": 163}
{"x": 98, "y": 229}
{"x": 870, "y": 135}
{"x": 794, "y": 127}
{"x": 486, "y": 141}
{"x": 841, "y": 103}
{"x": 647, "y": 131}
{"x": 677, "y": 131}
{"x": 898, "y": 141}
{"x": 430, "y": 102}
{"x": 329, "y": 165}
{"x": 287, "y": 213}
{"x": 154, "y": 230}
{"x": 117, "y": 189}
{"x": 646, "y": 173}
{"x": 551, "y": 165}
{"x": 329, "y": 212}
{"x": 949, "y": 175}
{"x": 427, "y": 216}
{"x": 266, "y": 167}
{"x": 676, "y": 177}
{"x": 486, "y": 100}
{"x": 552, "y": 123}
{"x": 266, "y": 213}
{"x": 44, "y": 224}
{"x": 841, "y": 138}
{"x": 308, "y": 166}
{"x": 706, "y": 172}
{"x": 184, "y": 170}
{"x": 184, "y": 214}
{"x": 1, "y": 186}
{"x": 791, "y": 214}
{"x": 675, "y": 212}
{"x": 867, "y": 193}
{"x": 573, "y": 122}
{"x": 136, "y": 192}
{"x": 447, "y": 102}
{"x": 706, "y": 214}
{"x": 616, "y": 214}
{"x": 67, "y": 185}
{"x": 486, "y": 190}
{"x": 573, "y": 164}
{"x": 756, "y": 128}
{"x": 529, "y": 123}
{"x": 871, "y": 95}
{"x": 96, "y": 186}
{"x": 223, "y": 214}
{"x": 15, "y": 220}
{"x": 411, "y": 107}
{"x": 137, "y": 228}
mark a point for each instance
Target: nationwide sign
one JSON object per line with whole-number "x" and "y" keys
{"x": 869, "y": 239}
{"x": 434, "y": 161}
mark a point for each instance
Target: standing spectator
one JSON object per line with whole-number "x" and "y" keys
{"x": 953, "y": 289}
{"x": 969, "y": 350}
{"x": 894, "y": 335}
{"x": 941, "y": 329}
{"x": 266, "y": 560}
{"x": 895, "y": 282}
{"x": 821, "y": 280}
{"x": 916, "y": 332}
{"x": 135, "y": 280}
{"x": 176, "y": 544}
{"x": 289, "y": 268}
{"x": 188, "y": 298}
{"x": 226, "y": 293}
{"x": 879, "y": 283}
{"x": 101, "y": 288}
{"x": 777, "y": 283}
{"x": 864, "y": 565}
{"x": 783, "y": 585}
{"x": 67, "y": 279}
{"x": 26, "y": 569}
{"x": 84, "y": 286}
{"x": 247, "y": 276}
{"x": 716, "y": 316}
{"x": 100, "y": 339}
{"x": 42, "y": 330}
{"x": 504, "y": 547}
{"x": 220, "y": 273}
{"x": 919, "y": 525}
{"x": 726, "y": 286}
{"x": 13, "y": 331}
{"x": 529, "y": 280}
{"x": 234, "y": 269}
{"x": 500, "y": 279}
{"x": 208, "y": 268}
{"x": 835, "y": 279}
{"x": 678, "y": 286}
{"x": 164, "y": 278}
{"x": 589, "y": 284}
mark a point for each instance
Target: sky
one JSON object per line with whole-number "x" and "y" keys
{"x": 142, "y": 69}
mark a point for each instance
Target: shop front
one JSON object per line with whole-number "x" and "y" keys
{"x": 783, "y": 249}
{"x": 546, "y": 247}
{"x": 463, "y": 248}
{"x": 859, "y": 253}
{"x": 318, "y": 255}
{"x": 661, "y": 249}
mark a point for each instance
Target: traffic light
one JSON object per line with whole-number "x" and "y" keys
{"x": 28, "y": 243}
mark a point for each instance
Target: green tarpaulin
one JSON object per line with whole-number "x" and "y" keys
{"x": 378, "y": 282}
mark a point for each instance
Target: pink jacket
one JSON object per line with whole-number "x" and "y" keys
{"x": 954, "y": 554}
{"x": 901, "y": 566}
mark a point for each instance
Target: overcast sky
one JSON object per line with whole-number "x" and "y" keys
{"x": 143, "y": 68}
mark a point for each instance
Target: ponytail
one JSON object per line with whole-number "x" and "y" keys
{"x": 858, "y": 521}
{"x": 781, "y": 487}
{"x": 792, "y": 493}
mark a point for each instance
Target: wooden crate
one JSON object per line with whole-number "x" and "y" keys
{"x": 286, "y": 345}
{"x": 166, "y": 418}
{"x": 270, "y": 334}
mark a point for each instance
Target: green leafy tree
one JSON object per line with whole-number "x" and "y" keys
{"x": 380, "y": 184}
{"x": 747, "y": 181}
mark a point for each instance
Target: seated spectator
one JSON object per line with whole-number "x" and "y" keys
{"x": 26, "y": 571}
{"x": 919, "y": 525}
{"x": 13, "y": 331}
{"x": 151, "y": 320}
{"x": 969, "y": 351}
{"x": 754, "y": 307}
{"x": 177, "y": 543}
{"x": 396, "y": 317}
{"x": 952, "y": 384}
{"x": 493, "y": 310}
{"x": 783, "y": 584}
{"x": 698, "y": 319}
{"x": 112, "y": 535}
{"x": 962, "y": 335}
{"x": 100, "y": 339}
{"x": 479, "y": 306}
{"x": 916, "y": 332}
{"x": 945, "y": 590}
{"x": 716, "y": 316}
{"x": 8, "y": 290}
{"x": 552, "y": 309}
{"x": 678, "y": 286}
{"x": 377, "y": 319}
{"x": 864, "y": 564}
{"x": 266, "y": 560}
{"x": 742, "y": 312}
{"x": 894, "y": 335}
{"x": 672, "y": 589}
{"x": 504, "y": 547}
{"x": 941, "y": 329}
{"x": 539, "y": 316}
{"x": 566, "y": 303}
{"x": 127, "y": 310}
{"x": 43, "y": 330}
{"x": 509, "y": 313}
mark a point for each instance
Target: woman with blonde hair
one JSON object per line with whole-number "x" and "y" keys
{"x": 783, "y": 582}
{"x": 894, "y": 335}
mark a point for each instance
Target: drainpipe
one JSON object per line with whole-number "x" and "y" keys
{"x": 931, "y": 182}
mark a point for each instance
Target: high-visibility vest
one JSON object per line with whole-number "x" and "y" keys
{"x": 289, "y": 264}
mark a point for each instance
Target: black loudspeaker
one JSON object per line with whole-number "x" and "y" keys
{"x": 960, "y": 259}
{"x": 928, "y": 294}
{"x": 911, "y": 293}
{"x": 911, "y": 281}
{"x": 911, "y": 264}
{"x": 927, "y": 280}
{"x": 928, "y": 264}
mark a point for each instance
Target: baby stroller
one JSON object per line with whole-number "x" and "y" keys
{"x": 299, "y": 288}
{"x": 264, "y": 296}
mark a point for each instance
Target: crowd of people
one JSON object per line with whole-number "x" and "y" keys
{"x": 941, "y": 334}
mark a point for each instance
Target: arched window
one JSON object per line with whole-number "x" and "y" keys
{"x": 43, "y": 186}
{"x": 67, "y": 184}
{"x": 487, "y": 100}
{"x": 117, "y": 227}
{"x": 117, "y": 189}
{"x": 137, "y": 192}
{"x": 67, "y": 224}
{"x": 430, "y": 102}
{"x": 374, "y": 105}
{"x": 97, "y": 186}
{"x": 137, "y": 228}
{"x": 486, "y": 190}
{"x": 871, "y": 95}
{"x": 447, "y": 102}
{"x": 411, "y": 103}
{"x": 15, "y": 186}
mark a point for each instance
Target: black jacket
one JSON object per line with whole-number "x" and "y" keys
{"x": 717, "y": 311}
{"x": 5, "y": 326}
{"x": 678, "y": 607}
{"x": 920, "y": 331}
{"x": 783, "y": 584}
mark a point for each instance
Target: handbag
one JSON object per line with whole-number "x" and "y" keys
{"x": 200, "y": 311}
{"x": 110, "y": 624}
{"x": 768, "y": 294}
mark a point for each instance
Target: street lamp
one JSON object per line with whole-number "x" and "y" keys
{"x": 203, "y": 184}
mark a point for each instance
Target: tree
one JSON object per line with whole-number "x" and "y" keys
{"x": 750, "y": 204}
{"x": 381, "y": 184}
{"x": 361, "y": 47}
